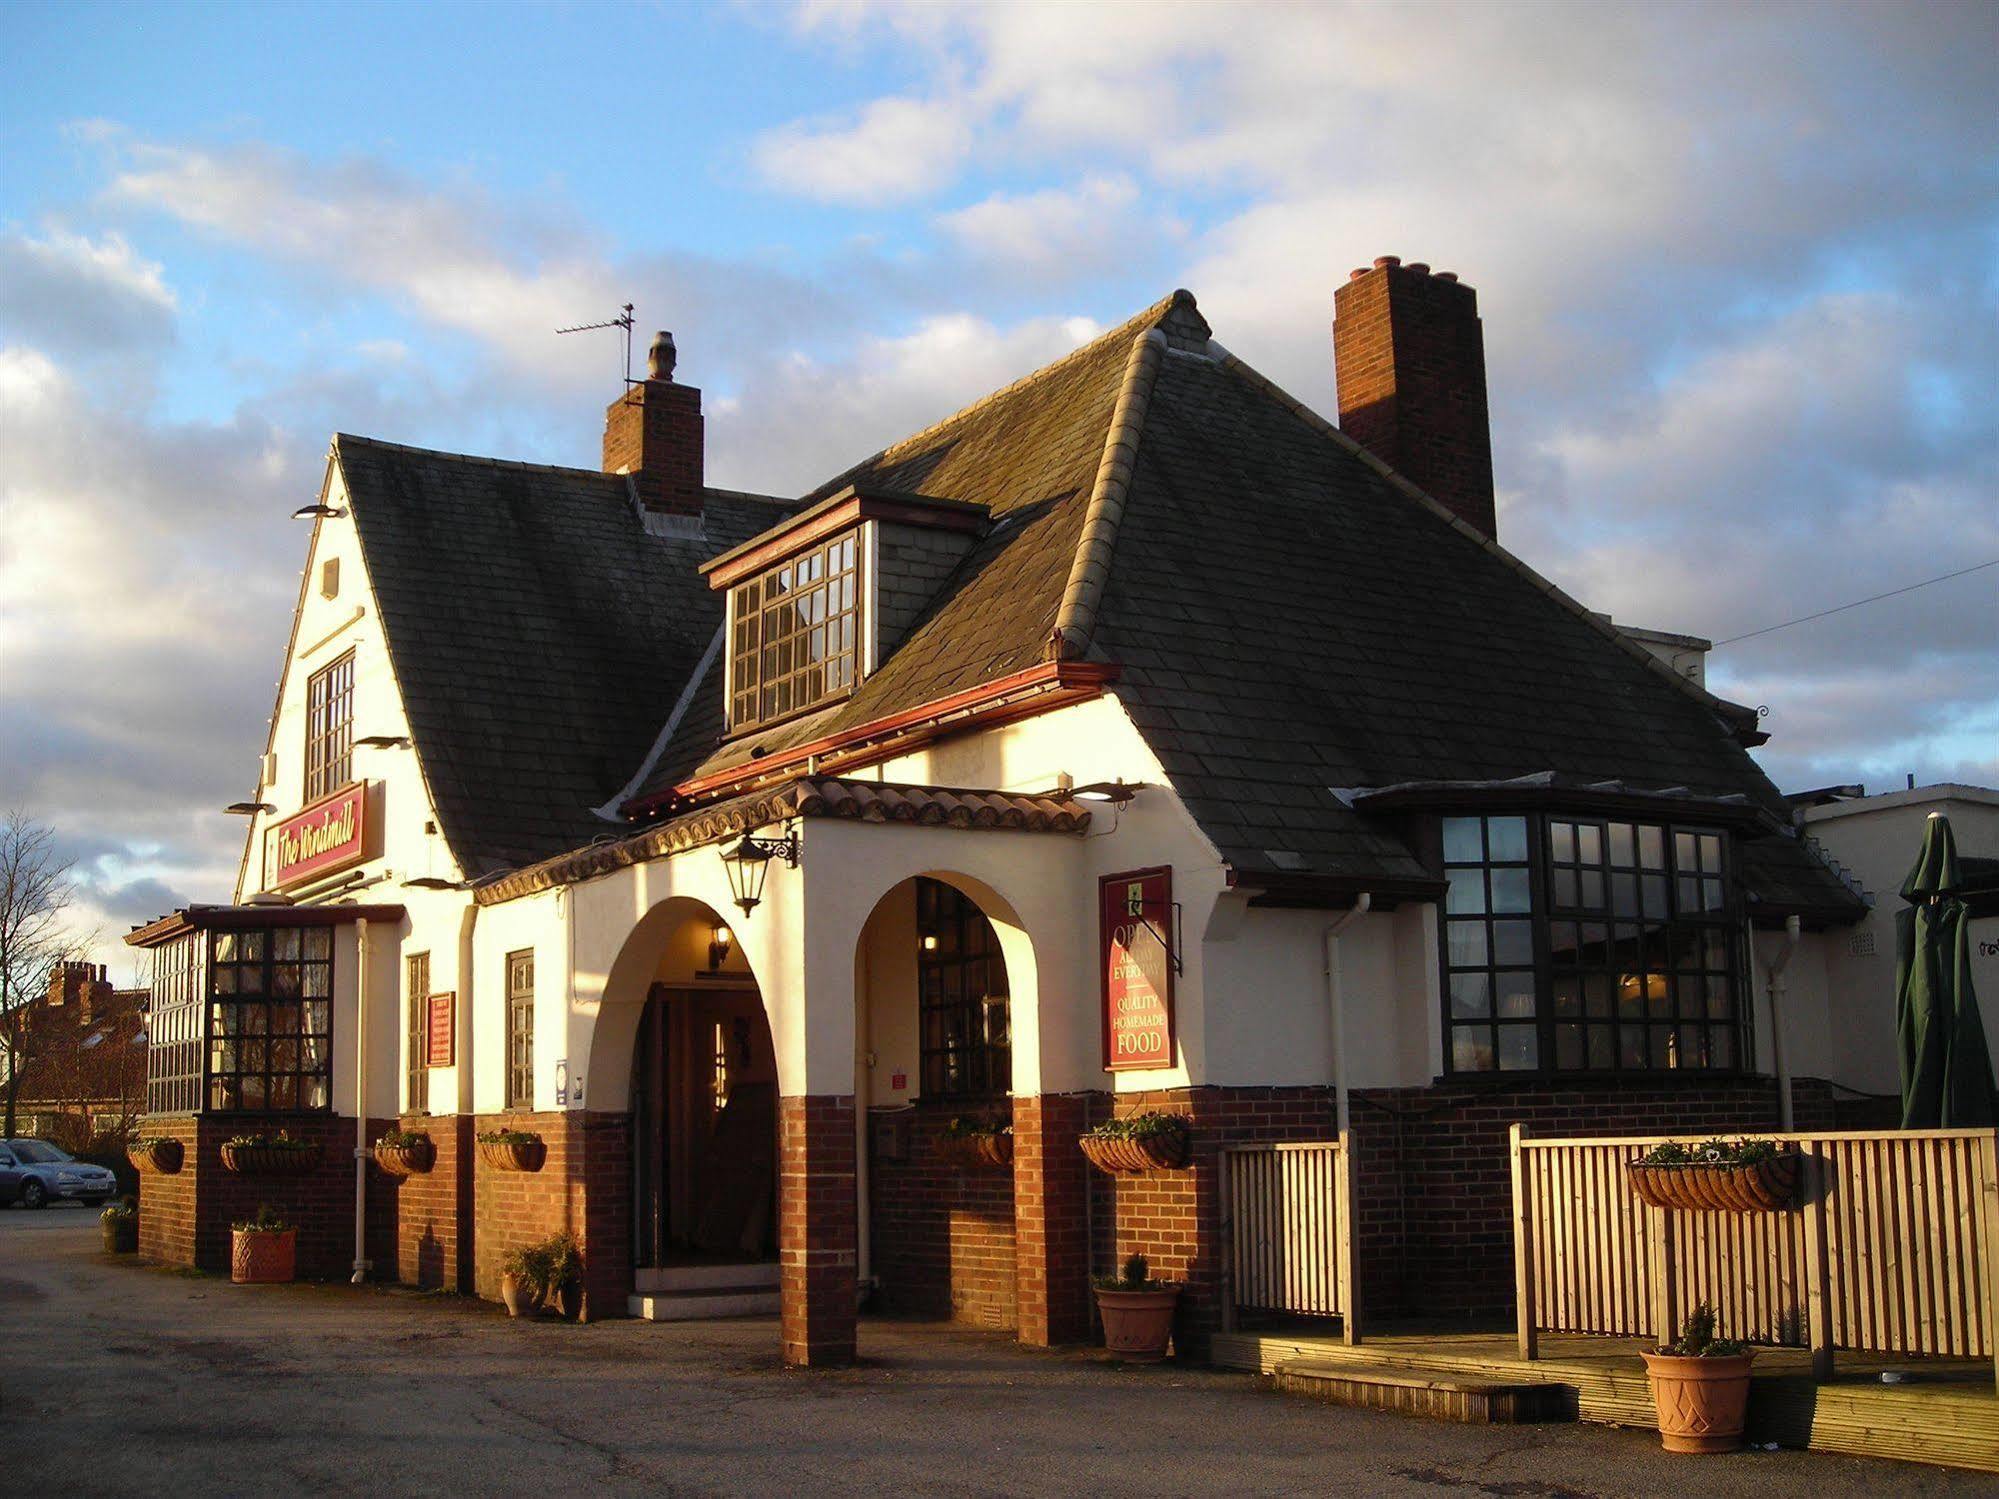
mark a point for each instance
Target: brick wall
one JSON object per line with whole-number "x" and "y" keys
{"x": 434, "y": 1208}
{"x": 817, "y": 1228}
{"x": 584, "y": 1186}
{"x": 186, "y": 1218}
{"x": 942, "y": 1240}
{"x": 655, "y": 432}
{"x": 1433, "y": 1173}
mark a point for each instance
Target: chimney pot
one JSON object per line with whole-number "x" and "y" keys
{"x": 1410, "y": 359}
{"x": 1447, "y": 275}
{"x": 662, "y": 358}
{"x": 1418, "y": 267}
{"x": 1357, "y": 273}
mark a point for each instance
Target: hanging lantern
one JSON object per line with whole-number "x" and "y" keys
{"x": 748, "y": 863}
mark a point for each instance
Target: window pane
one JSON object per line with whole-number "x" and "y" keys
{"x": 1652, "y": 847}
{"x": 1596, "y": 995}
{"x": 1461, "y": 841}
{"x": 1624, "y": 895}
{"x": 1562, "y": 842}
{"x": 1623, "y": 844}
{"x": 1570, "y": 1052}
{"x": 1510, "y": 891}
{"x": 1513, "y": 942}
{"x": 1467, "y": 944}
{"x": 1515, "y": 993}
{"x": 1591, "y": 894}
{"x": 1684, "y": 852}
{"x": 1567, "y": 994}
{"x": 1711, "y": 852}
{"x": 1471, "y": 1048}
{"x": 1466, "y": 895}
{"x": 1589, "y": 843}
{"x": 1507, "y": 837}
{"x": 1601, "y": 1054}
{"x": 1471, "y": 996}
{"x": 1565, "y": 889}
{"x": 1519, "y": 1048}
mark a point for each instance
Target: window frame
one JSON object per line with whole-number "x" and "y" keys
{"x": 177, "y": 1026}
{"x": 416, "y": 983}
{"x": 955, "y": 919}
{"x": 329, "y": 728}
{"x": 229, "y": 952}
{"x": 757, "y": 697}
{"x": 1542, "y": 916}
{"x": 520, "y": 1030}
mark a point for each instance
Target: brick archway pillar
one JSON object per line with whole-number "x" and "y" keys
{"x": 1051, "y": 1219}
{"x": 818, "y": 1229}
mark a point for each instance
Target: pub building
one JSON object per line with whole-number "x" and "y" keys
{"x": 1133, "y": 739}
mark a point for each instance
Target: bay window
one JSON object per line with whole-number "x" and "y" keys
{"x": 1589, "y": 944}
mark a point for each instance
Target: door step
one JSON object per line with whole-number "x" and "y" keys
{"x": 660, "y": 1280}
{"x": 702, "y": 1305}
{"x": 1476, "y": 1402}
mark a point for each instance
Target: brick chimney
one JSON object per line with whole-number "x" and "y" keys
{"x": 653, "y": 432}
{"x": 85, "y": 985}
{"x": 1410, "y": 359}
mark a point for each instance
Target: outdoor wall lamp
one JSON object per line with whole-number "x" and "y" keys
{"x": 332, "y": 512}
{"x": 748, "y": 863}
{"x": 1114, "y": 792}
{"x": 249, "y": 809}
{"x": 719, "y": 938}
{"x": 384, "y": 741}
{"x": 434, "y": 882}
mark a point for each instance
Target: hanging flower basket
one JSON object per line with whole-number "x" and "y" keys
{"x": 1139, "y": 1142}
{"x": 160, "y": 1157}
{"x": 1745, "y": 1176}
{"x": 512, "y": 1150}
{"x": 269, "y": 1155}
{"x": 401, "y": 1153}
{"x": 972, "y": 1145}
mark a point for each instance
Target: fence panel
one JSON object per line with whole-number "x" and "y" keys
{"x": 1286, "y": 1228}
{"x": 1891, "y": 1249}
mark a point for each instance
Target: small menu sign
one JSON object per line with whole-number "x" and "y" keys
{"x": 330, "y": 834}
{"x": 1135, "y": 915}
{"x": 443, "y": 1009}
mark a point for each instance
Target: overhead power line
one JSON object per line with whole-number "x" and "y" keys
{"x": 1806, "y": 619}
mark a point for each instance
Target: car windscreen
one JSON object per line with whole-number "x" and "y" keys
{"x": 35, "y": 1153}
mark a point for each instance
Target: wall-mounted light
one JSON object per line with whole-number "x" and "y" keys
{"x": 1114, "y": 792}
{"x": 331, "y": 512}
{"x": 249, "y": 809}
{"x": 930, "y": 942}
{"x": 748, "y": 863}
{"x": 383, "y": 741}
{"x": 719, "y": 938}
{"x": 433, "y": 882}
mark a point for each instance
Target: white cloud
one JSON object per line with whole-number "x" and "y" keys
{"x": 894, "y": 148}
{"x": 1086, "y": 227}
{"x": 82, "y": 295}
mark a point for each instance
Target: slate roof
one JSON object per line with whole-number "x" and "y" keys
{"x": 1288, "y": 619}
{"x": 539, "y": 635}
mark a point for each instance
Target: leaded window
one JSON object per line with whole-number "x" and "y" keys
{"x": 270, "y": 1019}
{"x": 329, "y": 729}
{"x": 173, "y": 1026}
{"x": 520, "y": 1029}
{"x": 796, "y": 634}
{"x": 416, "y": 970}
{"x": 966, "y": 1043}
{"x": 1589, "y": 944}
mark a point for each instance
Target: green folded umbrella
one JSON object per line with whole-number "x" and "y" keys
{"x": 1946, "y": 1068}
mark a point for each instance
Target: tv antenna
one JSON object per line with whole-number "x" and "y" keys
{"x": 623, "y": 321}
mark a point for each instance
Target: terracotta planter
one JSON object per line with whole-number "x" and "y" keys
{"x": 270, "y": 1160}
{"x": 1700, "y": 1400}
{"x": 1161, "y": 1152}
{"x": 975, "y": 1152}
{"x": 1765, "y": 1187}
{"x": 519, "y": 1299}
{"x": 1138, "y": 1324}
{"x": 121, "y": 1235}
{"x": 161, "y": 1157}
{"x": 405, "y": 1160}
{"x": 263, "y": 1258}
{"x": 569, "y": 1300}
{"x": 527, "y": 1157}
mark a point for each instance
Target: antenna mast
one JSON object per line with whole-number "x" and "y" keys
{"x": 625, "y": 322}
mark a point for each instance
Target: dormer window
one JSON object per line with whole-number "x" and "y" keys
{"x": 795, "y": 633}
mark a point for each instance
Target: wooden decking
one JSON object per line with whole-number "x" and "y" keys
{"x": 1947, "y": 1414}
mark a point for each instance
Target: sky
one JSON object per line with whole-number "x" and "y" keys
{"x": 1738, "y": 268}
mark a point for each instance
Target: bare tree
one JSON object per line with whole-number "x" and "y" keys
{"x": 35, "y": 890}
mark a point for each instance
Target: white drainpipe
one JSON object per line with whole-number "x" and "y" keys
{"x": 361, "y": 1102}
{"x": 1775, "y": 987}
{"x": 863, "y": 1090}
{"x": 1336, "y": 1009}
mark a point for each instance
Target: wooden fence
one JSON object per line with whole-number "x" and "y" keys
{"x": 1893, "y": 1247}
{"x": 1287, "y": 1231}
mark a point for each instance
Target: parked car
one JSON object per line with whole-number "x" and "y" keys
{"x": 34, "y": 1172}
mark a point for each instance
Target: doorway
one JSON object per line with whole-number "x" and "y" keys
{"x": 704, "y": 1129}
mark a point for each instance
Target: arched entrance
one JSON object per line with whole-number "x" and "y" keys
{"x": 683, "y": 1027}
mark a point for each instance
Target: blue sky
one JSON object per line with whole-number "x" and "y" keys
{"x": 1739, "y": 270}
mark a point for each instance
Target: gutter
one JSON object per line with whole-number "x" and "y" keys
{"x": 1336, "y": 1006}
{"x": 361, "y": 1152}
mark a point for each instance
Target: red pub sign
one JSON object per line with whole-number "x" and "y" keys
{"x": 1134, "y": 918}
{"x": 329, "y": 835}
{"x": 441, "y": 1008}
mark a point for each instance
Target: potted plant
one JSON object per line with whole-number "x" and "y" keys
{"x": 1700, "y": 1387}
{"x": 1138, "y": 1142}
{"x": 512, "y": 1149}
{"x": 272, "y": 1154}
{"x": 976, "y": 1144}
{"x": 161, "y": 1154}
{"x": 404, "y": 1152}
{"x": 263, "y": 1250}
{"x": 1725, "y": 1176}
{"x": 1137, "y": 1312}
{"x": 565, "y": 1274}
{"x": 120, "y": 1223}
{"x": 524, "y": 1279}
